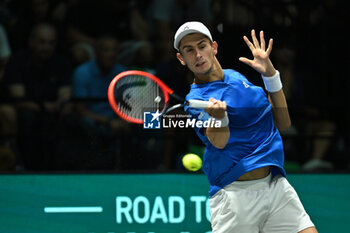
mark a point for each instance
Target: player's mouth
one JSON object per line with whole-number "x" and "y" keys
{"x": 199, "y": 64}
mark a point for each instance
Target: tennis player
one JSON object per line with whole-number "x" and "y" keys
{"x": 244, "y": 157}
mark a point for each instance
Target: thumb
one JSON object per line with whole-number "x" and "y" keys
{"x": 246, "y": 61}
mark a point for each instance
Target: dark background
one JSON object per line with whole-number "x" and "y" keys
{"x": 311, "y": 50}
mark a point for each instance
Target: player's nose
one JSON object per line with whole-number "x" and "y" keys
{"x": 198, "y": 53}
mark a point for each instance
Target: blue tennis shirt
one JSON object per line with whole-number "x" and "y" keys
{"x": 254, "y": 140}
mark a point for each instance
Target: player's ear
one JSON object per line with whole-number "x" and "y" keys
{"x": 215, "y": 47}
{"x": 179, "y": 57}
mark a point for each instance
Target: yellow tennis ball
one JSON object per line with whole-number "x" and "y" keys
{"x": 192, "y": 162}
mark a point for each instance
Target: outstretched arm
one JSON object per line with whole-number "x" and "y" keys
{"x": 262, "y": 64}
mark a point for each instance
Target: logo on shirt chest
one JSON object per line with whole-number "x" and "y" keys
{"x": 245, "y": 84}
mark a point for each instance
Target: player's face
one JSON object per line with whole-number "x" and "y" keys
{"x": 198, "y": 53}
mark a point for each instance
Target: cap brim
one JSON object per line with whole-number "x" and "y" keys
{"x": 182, "y": 35}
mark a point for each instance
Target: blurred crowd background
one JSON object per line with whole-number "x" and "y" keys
{"x": 57, "y": 58}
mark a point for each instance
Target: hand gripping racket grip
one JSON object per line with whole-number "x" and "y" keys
{"x": 199, "y": 103}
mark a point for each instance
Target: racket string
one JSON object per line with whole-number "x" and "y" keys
{"x": 136, "y": 94}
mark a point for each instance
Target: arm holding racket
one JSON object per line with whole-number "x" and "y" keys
{"x": 218, "y": 137}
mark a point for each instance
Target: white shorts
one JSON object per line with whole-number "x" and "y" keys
{"x": 267, "y": 205}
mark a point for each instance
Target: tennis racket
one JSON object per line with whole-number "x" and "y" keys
{"x": 133, "y": 92}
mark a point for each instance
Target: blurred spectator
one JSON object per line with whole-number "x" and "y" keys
{"x": 25, "y": 15}
{"x": 5, "y": 50}
{"x": 122, "y": 19}
{"x": 8, "y": 124}
{"x": 322, "y": 134}
{"x": 138, "y": 56}
{"x": 7, "y": 159}
{"x": 323, "y": 68}
{"x": 312, "y": 69}
{"x": 8, "y": 117}
{"x": 174, "y": 75}
{"x": 8, "y": 132}
{"x": 168, "y": 15}
{"x": 98, "y": 121}
{"x": 235, "y": 13}
{"x": 5, "y": 13}
{"x": 233, "y": 19}
{"x": 307, "y": 123}
{"x": 91, "y": 80}
{"x": 39, "y": 79}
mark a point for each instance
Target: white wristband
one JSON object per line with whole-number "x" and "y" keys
{"x": 224, "y": 121}
{"x": 272, "y": 84}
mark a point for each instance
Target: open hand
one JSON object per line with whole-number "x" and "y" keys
{"x": 261, "y": 62}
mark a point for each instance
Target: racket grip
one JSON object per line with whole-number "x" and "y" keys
{"x": 199, "y": 103}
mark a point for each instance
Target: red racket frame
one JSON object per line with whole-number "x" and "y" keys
{"x": 165, "y": 89}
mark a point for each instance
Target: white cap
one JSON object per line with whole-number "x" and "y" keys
{"x": 188, "y": 28}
